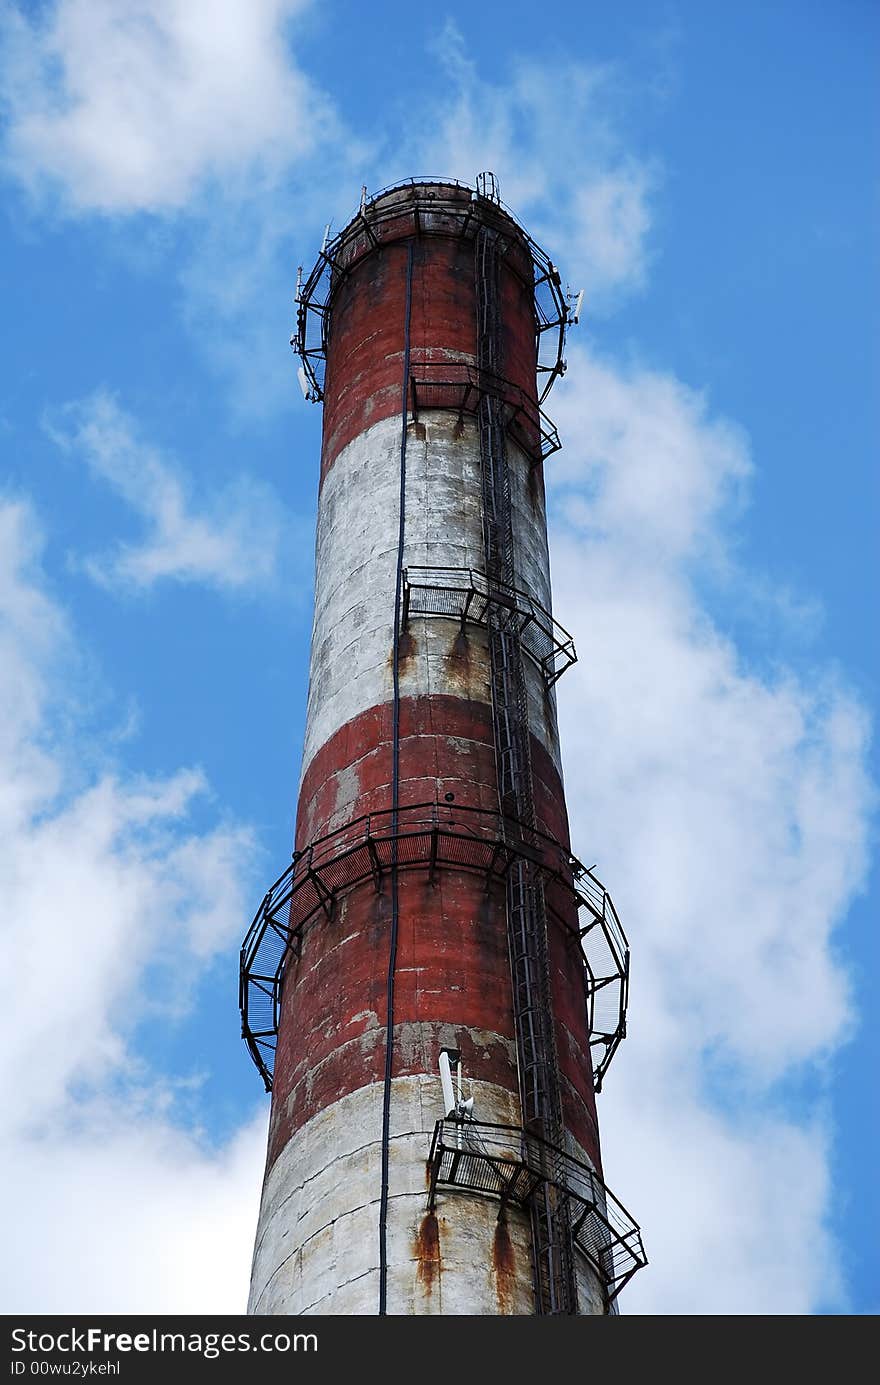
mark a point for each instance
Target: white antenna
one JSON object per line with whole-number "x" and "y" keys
{"x": 326, "y": 237}
{"x": 297, "y": 297}
{"x": 454, "y": 1107}
{"x": 363, "y": 198}
{"x": 449, "y": 1103}
{"x": 579, "y": 302}
{"x": 304, "y": 382}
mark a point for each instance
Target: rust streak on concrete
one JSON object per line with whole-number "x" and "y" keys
{"x": 405, "y": 650}
{"x": 427, "y": 1251}
{"x": 503, "y": 1264}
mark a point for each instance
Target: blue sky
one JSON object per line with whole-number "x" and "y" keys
{"x": 708, "y": 175}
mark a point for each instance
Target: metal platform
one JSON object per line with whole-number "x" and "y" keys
{"x": 424, "y": 207}
{"x": 606, "y": 963}
{"x": 459, "y": 386}
{"x": 431, "y": 837}
{"x": 460, "y": 593}
{"x": 509, "y": 1163}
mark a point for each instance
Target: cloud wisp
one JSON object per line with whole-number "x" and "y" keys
{"x": 563, "y": 164}
{"x": 137, "y": 105}
{"x": 728, "y": 808}
{"x": 110, "y": 895}
{"x": 198, "y": 116}
{"x": 230, "y": 541}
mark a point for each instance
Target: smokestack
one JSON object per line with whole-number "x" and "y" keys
{"x": 435, "y": 987}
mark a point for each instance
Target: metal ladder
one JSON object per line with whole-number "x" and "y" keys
{"x": 540, "y": 1085}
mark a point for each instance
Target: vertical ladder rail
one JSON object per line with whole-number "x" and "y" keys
{"x": 540, "y": 1084}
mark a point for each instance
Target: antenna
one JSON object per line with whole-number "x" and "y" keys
{"x": 326, "y": 237}
{"x": 297, "y": 297}
{"x": 454, "y": 1107}
{"x": 363, "y": 199}
{"x": 575, "y": 314}
{"x": 304, "y": 382}
{"x": 449, "y": 1103}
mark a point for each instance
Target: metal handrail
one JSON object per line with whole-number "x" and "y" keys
{"x": 313, "y": 300}
{"x": 473, "y": 381}
{"x": 511, "y": 1163}
{"x": 469, "y": 583}
{"x": 475, "y": 839}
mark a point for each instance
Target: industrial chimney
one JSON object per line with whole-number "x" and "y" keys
{"x": 435, "y": 987}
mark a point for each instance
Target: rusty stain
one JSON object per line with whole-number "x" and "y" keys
{"x": 427, "y": 1250}
{"x": 460, "y": 655}
{"x": 503, "y": 1263}
{"x": 535, "y": 488}
{"x": 405, "y": 650}
{"x": 466, "y": 667}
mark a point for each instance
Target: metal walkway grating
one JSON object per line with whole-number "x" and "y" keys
{"x": 424, "y": 207}
{"x": 459, "y": 387}
{"x": 460, "y": 593}
{"x": 511, "y": 1164}
{"x": 431, "y": 837}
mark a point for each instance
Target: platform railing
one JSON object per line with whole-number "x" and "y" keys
{"x": 512, "y": 1164}
{"x": 459, "y": 385}
{"x": 464, "y": 594}
{"x": 429, "y": 206}
{"x": 431, "y": 837}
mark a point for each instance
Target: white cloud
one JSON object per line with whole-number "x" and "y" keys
{"x": 733, "y": 1209}
{"x": 231, "y": 541}
{"x": 109, "y": 1204}
{"x": 126, "y": 1214}
{"x": 128, "y": 106}
{"x": 132, "y": 105}
{"x": 549, "y": 131}
{"x": 644, "y": 465}
{"x": 727, "y": 807}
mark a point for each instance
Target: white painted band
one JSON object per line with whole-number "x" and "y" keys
{"x": 356, "y": 566}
